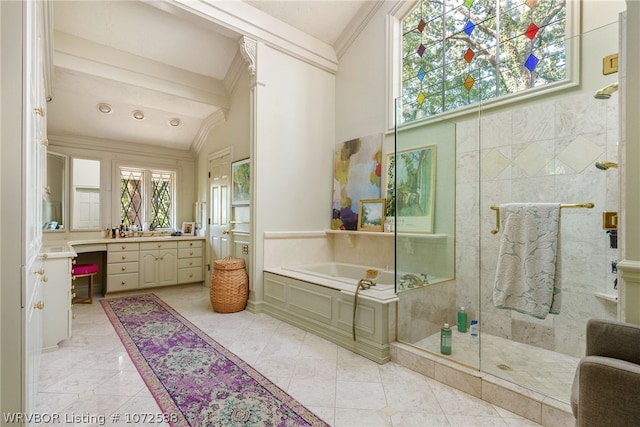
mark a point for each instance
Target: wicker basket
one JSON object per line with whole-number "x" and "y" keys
{"x": 229, "y": 289}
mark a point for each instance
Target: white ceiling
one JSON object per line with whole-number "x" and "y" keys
{"x": 153, "y": 57}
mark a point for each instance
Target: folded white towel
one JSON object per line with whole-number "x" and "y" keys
{"x": 526, "y": 272}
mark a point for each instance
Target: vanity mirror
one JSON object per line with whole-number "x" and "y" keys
{"x": 53, "y": 202}
{"x": 85, "y": 194}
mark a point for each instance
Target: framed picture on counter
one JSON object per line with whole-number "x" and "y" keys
{"x": 188, "y": 228}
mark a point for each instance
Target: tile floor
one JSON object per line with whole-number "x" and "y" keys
{"x": 91, "y": 376}
{"x": 534, "y": 368}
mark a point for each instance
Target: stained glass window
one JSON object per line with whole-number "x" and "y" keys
{"x": 458, "y": 53}
{"x": 146, "y": 196}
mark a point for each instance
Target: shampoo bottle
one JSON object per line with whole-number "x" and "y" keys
{"x": 462, "y": 320}
{"x": 473, "y": 331}
{"x": 445, "y": 339}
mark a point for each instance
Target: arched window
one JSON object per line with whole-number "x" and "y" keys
{"x": 459, "y": 53}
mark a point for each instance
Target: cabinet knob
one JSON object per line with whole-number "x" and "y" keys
{"x": 44, "y": 142}
{"x": 190, "y": 253}
{"x": 73, "y": 287}
{"x": 190, "y": 275}
{"x": 73, "y": 261}
{"x": 39, "y": 271}
{"x": 39, "y": 111}
{"x": 124, "y": 257}
{"x": 73, "y": 295}
{"x": 191, "y": 263}
{"x": 45, "y": 279}
{"x": 123, "y": 283}
{"x": 190, "y": 243}
{"x": 124, "y": 268}
{"x": 39, "y": 305}
{"x": 159, "y": 245}
{"x": 47, "y": 189}
{"x": 124, "y": 247}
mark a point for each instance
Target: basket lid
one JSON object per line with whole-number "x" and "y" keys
{"x": 228, "y": 263}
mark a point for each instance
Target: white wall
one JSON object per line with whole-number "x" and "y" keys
{"x": 292, "y": 151}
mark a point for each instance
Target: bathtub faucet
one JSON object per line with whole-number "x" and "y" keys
{"x": 414, "y": 280}
{"x": 365, "y": 284}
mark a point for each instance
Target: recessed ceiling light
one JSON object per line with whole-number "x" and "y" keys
{"x": 174, "y": 122}
{"x": 137, "y": 114}
{"x": 104, "y": 108}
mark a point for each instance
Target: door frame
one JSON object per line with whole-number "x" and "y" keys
{"x": 227, "y": 151}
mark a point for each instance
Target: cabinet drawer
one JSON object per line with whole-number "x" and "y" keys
{"x": 122, "y": 282}
{"x": 189, "y": 252}
{"x": 188, "y": 275}
{"x": 190, "y": 244}
{"x": 148, "y": 246}
{"x": 190, "y": 262}
{"x": 115, "y": 257}
{"x": 122, "y": 267}
{"x": 122, "y": 247}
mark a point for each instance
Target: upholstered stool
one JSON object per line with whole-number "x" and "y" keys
{"x": 84, "y": 270}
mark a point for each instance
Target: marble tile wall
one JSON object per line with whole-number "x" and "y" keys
{"x": 542, "y": 152}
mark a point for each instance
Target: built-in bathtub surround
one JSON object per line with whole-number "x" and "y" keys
{"x": 326, "y": 299}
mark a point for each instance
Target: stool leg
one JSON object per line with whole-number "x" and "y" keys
{"x": 91, "y": 289}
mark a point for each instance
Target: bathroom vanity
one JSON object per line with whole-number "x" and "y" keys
{"x": 131, "y": 263}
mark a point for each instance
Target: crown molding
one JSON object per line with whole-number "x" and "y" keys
{"x": 237, "y": 67}
{"x": 112, "y": 146}
{"x": 356, "y": 26}
{"x": 214, "y": 120}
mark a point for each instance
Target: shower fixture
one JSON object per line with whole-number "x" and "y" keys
{"x": 605, "y": 92}
{"x": 606, "y": 165}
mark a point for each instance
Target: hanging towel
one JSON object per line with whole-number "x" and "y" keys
{"x": 526, "y": 272}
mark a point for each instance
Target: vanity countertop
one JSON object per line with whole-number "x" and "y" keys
{"x": 65, "y": 249}
{"x": 106, "y": 240}
{"x": 57, "y": 250}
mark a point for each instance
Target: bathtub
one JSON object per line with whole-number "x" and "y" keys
{"x": 345, "y": 277}
{"x": 320, "y": 298}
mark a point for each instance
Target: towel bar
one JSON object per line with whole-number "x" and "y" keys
{"x": 568, "y": 205}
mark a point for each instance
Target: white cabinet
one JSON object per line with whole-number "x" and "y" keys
{"x": 158, "y": 264}
{"x": 56, "y": 289}
{"x": 122, "y": 266}
{"x": 137, "y": 263}
{"x": 190, "y": 261}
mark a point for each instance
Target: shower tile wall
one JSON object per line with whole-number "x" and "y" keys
{"x": 542, "y": 152}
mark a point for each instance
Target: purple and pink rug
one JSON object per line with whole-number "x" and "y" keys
{"x": 194, "y": 379}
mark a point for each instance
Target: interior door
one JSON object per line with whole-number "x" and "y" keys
{"x": 220, "y": 206}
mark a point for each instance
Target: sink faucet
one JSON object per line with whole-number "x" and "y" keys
{"x": 414, "y": 280}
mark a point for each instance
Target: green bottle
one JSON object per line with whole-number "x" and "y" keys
{"x": 462, "y": 320}
{"x": 445, "y": 339}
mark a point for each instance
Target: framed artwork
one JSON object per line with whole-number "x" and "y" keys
{"x": 411, "y": 177}
{"x": 357, "y": 175}
{"x": 371, "y": 215}
{"x": 240, "y": 182}
{"x": 188, "y": 228}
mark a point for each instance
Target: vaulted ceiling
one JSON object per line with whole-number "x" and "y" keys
{"x": 169, "y": 64}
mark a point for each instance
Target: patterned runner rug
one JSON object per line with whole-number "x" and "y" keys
{"x": 194, "y": 379}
